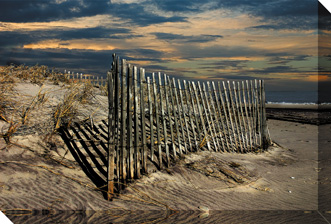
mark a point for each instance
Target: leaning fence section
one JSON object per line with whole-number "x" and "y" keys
{"x": 159, "y": 118}
{"x": 95, "y": 80}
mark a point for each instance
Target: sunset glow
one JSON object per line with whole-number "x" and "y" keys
{"x": 209, "y": 40}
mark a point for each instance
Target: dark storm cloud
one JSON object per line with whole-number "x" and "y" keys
{"x": 140, "y": 54}
{"x": 282, "y": 69}
{"x": 61, "y": 58}
{"x": 278, "y": 14}
{"x": 232, "y": 77}
{"x": 188, "y": 39}
{"x": 180, "y": 6}
{"x": 138, "y": 14}
{"x": 194, "y": 52}
{"x": 274, "y": 69}
{"x": 290, "y": 14}
{"x": 76, "y": 59}
{"x": 284, "y": 59}
{"x": 49, "y": 10}
{"x": 224, "y": 64}
{"x": 20, "y": 38}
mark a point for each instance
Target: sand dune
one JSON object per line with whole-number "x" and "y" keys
{"x": 40, "y": 186}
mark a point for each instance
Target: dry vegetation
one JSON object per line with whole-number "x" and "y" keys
{"x": 57, "y": 102}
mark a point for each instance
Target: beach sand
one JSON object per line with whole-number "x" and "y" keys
{"x": 276, "y": 186}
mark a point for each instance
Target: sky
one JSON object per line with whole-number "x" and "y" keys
{"x": 214, "y": 40}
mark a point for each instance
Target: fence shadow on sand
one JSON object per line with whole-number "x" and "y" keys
{"x": 154, "y": 120}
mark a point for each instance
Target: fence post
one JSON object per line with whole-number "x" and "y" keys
{"x": 180, "y": 89}
{"x": 169, "y": 115}
{"x": 157, "y": 121}
{"x": 247, "y": 116}
{"x": 129, "y": 147}
{"x": 151, "y": 119}
{"x": 240, "y": 127}
{"x": 220, "y": 115}
{"x": 143, "y": 121}
{"x": 164, "y": 120}
{"x": 116, "y": 112}
{"x": 265, "y": 133}
{"x": 207, "y": 112}
{"x": 175, "y": 116}
{"x": 136, "y": 124}
{"x": 198, "y": 130}
{"x": 215, "y": 120}
{"x": 179, "y": 117}
{"x": 206, "y": 138}
{"x": 189, "y": 112}
{"x": 230, "y": 117}
{"x": 111, "y": 149}
{"x": 123, "y": 152}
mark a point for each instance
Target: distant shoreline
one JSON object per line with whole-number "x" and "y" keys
{"x": 298, "y": 106}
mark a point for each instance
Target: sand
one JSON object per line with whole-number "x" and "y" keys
{"x": 38, "y": 185}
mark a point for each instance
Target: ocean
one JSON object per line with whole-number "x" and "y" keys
{"x": 292, "y": 97}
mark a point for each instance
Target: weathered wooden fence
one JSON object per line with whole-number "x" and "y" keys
{"x": 93, "y": 79}
{"x": 161, "y": 118}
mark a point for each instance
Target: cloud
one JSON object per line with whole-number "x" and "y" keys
{"x": 278, "y": 14}
{"x": 49, "y": 10}
{"x": 79, "y": 60}
{"x": 170, "y": 37}
{"x": 22, "y": 38}
{"x": 139, "y": 15}
{"x": 286, "y": 58}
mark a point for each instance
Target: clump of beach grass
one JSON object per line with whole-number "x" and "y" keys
{"x": 67, "y": 110}
{"x": 22, "y": 114}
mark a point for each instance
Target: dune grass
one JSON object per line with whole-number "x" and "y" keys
{"x": 17, "y": 112}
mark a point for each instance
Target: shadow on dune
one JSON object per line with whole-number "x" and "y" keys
{"x": 87, "y": 146}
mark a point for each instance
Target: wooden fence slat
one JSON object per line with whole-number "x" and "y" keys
{"x": 249, "y": 133}
{"x": 189, "y": 112}
{"x": 261, "y": 112}
{"x": 136, "y": 124}
{"x": 224, "y": 129}
{"x": 158, "y": 136}
{"x": 212, "y": 113}
{"x": 253, "y": 101}
{"x": 116, "y": 113}
{"x": 233, "y": 106}
{"x": 250, "y": 107}
{"x": 179, "y": 118}
{"x": 195, "y": 114}
{"x": 244, "y": 127}
{"x": 151, "y": 118}
{"x": 205, "y": 113}
{"x": 180, "y": 89}
{"x": 208, "y": 114}
{"x": 116, "y": 109}
{"x": 166, "y": 89}
{"x": 206, "y": 137}
{"x": 165, "y": 135}
{"x": 175, "y": 116}
{"x": 129, "y": 144}
{"x": 257, "y": 113}
{"x": 123, "y": 152}
{"x": 143, "y": 120}
{"x": 265, "y": 134}
{"x": 240, "y": 126}
{"x": 111, "y": 149}
{"x": 233, "y": 131}
{"x": 217, "y": 123}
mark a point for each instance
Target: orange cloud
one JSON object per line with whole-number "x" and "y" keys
{"x": 96, "y": 45}
{"x": 316, "y": 78}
